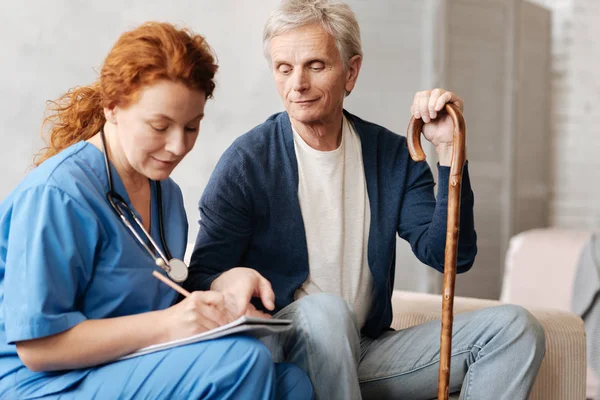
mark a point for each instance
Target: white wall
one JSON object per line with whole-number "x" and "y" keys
{"x": 47, "y": 47}
{"x": 575, "y": 201}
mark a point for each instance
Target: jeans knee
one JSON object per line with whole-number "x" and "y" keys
{"x": 328, "y": 324}
{"x": 525, "y": 325}
{"x": 327, "y": 309}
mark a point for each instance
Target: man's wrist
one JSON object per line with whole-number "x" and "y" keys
{"x": 214, "y": 285}
{"x": 444, "y": 153}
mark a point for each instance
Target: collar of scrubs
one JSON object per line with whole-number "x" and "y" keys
{"x": 95, "y": 160}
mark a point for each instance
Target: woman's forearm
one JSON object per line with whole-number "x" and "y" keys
{"x": 94, "y": 342}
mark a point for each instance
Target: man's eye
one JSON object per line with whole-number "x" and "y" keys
{"x": 159, "y": 128}
{"x": 317, "y": 66}
{"x": 284, "y": 69}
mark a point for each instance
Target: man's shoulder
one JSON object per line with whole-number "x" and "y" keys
{"x": 260, "y": 146}
{"x": 261, "y": 135}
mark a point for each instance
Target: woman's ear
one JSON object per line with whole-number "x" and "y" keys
{"x": 109, "y": 114}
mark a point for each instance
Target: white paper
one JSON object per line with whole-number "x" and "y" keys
{"x": 257, "y": 327}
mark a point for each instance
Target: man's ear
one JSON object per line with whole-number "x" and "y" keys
{"x": 352, "y": 72}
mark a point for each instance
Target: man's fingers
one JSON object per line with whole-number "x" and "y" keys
{"x": 414, "y": 109}
{"x": 266, "y": 293}
{"x": 448, "y": 97}
{"x": 436, "y": 94}
{"x": 424, "y": 106}
{"x": 253, "y": 312}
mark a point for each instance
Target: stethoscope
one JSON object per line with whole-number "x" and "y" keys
{"x": 174, "y": 267}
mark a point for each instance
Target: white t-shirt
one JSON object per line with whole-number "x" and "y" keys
{"x": 335, "y": 208}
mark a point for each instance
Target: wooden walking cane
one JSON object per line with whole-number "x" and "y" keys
{"x": 456, "y": 168}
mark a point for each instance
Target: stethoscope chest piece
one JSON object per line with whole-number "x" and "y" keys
{"x": 177, "y": 269}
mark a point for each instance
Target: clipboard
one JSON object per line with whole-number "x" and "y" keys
{"x": 253, "y": 326}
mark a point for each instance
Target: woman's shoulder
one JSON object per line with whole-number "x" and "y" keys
{"x": 70, "y": 172}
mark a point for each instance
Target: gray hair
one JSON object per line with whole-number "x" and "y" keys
{"x": 336, "y": 18}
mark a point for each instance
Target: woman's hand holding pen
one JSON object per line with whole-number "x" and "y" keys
{"x": 197, "y": 313}
{"x": 228, "y": 300}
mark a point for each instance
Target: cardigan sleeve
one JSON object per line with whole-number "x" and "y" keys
{"x": 423, "y": 220}
{"x": 225, "y": 223}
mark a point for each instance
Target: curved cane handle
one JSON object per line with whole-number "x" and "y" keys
{"x": 413, "y": 135}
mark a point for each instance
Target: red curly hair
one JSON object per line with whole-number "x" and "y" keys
{"x": 152, "y": 52}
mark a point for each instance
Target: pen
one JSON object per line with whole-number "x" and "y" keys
{"x": 171, "y": 284}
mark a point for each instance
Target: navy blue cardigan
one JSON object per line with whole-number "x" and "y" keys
{"x": 250, "y": 214}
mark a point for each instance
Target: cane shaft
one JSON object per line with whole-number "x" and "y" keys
{"x": 448, "y": 289}
{"x": 452, "y": 230}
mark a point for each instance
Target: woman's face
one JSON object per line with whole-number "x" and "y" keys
{"x": 158, "y": 128}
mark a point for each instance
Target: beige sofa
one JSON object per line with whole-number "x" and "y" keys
{"x": 562, "y": 375}
{"x": 539, "y": 273}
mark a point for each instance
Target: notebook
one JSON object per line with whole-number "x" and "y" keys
{"x": 253, "y": 326}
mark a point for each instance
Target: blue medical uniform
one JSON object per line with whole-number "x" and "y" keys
{"x": 66, "y": 257}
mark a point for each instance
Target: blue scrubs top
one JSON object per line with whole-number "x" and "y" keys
{"x": 66, "y": 257}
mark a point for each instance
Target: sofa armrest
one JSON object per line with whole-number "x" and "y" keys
{"x": 548, "y": 252}
{"x": 563, "y": 371}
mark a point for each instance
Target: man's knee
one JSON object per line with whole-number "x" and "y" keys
{"x": 524, "y": 325}
{"x": 326, "y": 322}
{"x": 327, "y": 311}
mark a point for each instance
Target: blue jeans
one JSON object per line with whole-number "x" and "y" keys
{"x": 496, "y": 353}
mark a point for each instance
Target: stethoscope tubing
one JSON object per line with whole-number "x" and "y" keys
{"x": 111, "y": 195}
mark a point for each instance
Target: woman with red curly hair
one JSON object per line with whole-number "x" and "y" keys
{"x": 76, "y": 290}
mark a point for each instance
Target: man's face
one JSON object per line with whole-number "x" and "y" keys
{"x": 310, "y": 75}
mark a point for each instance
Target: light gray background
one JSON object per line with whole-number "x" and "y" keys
{"x": 48, "y": 47}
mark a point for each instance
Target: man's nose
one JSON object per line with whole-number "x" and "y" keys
{"x": 300, "y": 80}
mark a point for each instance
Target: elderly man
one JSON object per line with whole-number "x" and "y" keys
{"x": 302, "y": 213}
